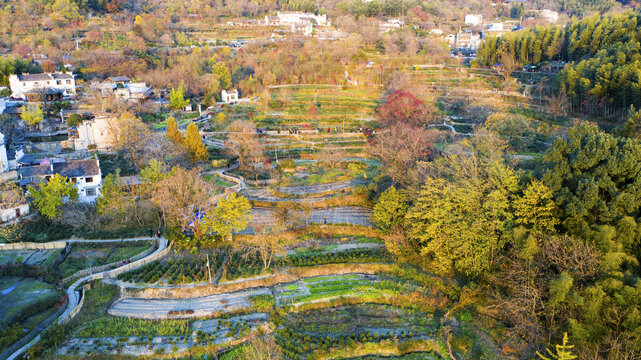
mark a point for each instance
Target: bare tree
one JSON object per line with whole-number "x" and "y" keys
{"x": 558, "y": 104}
{"x": 263, "y": 349}
{"x": 184, "y": 197}
{"x": 245, "y": 138}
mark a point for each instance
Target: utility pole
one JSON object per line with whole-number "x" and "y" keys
{"x": 208, "y": 268}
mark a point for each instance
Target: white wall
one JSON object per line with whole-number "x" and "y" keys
{"x": 10, "y": 214}
{"x": 19, "y": 88}
{"x": 83, "y": 185}
{"x": 4, "y": 161}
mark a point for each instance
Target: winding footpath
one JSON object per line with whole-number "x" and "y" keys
{"x": 75, "y": 296}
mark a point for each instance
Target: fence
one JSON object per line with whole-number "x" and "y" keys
{"x": 34, "y": 246}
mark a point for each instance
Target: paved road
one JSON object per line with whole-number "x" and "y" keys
{"x": 197, "y": 307}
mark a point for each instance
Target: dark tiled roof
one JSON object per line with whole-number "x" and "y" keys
{"x": 44, "y": 77}
{"x": 58, "y": 76}
{"x": 69, "y": 169}
{"x": 77, "y": 168}
{"x": 119, "y": 78}
{"x": 37, "y": 170}
{"x": 34, "y": 77}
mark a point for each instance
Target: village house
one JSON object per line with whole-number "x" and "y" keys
{"x": 297, "y": 17}
{"x": 12, "y": 208}
{"x": 391, "y": 24}
{"x": 497, "y": 29}
{"x": 42, "y": 87}
{"x": 229, "y": 97}
{"x": 84, "y": 174}
{"x": 464, "y": 40}
{"x": 4, "y": 160}
{"x": 473, "y": 19}
{"x": 124, "y": 89}
{"x": 92, "y": 133}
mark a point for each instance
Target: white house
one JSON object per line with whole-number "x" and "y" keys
{"x": 549, "y": 15}
{"x": 467, "y": 41}
{"x": 473, "y": 19}
{"x": 230, "y": 96}
{"x": 4, "y": 160}
{"x": 133, "y": 91}
{"x": 84, "y": 174}
{"x": 95, "y": 133}
{"x": 385, "y": 26}
{"x": 294, "y": 17}
{"x": 124, "y": 89}
{"x": 14, "y": 207}
{"x": 33, "y": 86}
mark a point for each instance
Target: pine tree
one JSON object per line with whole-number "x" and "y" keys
{"x": 172, "y": 131}
{"x": 194, "y": 143}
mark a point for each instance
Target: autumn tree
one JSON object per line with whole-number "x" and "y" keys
{"x": 390, "y": 209}
{"x": 131, "y": 136}
{"x": 562, "y": 351}
{"x": 32, "y": 115}
{"x": 177, "y": 99}
{"x": 402, "y": 106}
{"x": 194, "y": 144}
{"x": 400, "y": 148}
{"x": 231, "y": 214}
{"x": 114, "y": 201}
{"x": 184, "y": 198}
{"x": 173, "y": 133}
{"x": 284, "y": 213}
{"x": 220, "y": 70}
{"x": 268, "y": 243}
{"x": 463, "y": 218}
{"x": 50, "y": 195}
{"x": 558, "y": 104}
{"x": 243, "y": 135}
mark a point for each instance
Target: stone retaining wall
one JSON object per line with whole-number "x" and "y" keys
{"x": 102, "y": 268}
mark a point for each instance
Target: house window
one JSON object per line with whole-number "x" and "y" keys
{"x": 24, "y": 84}
{"x": 91, "y": 192}
{"x": 68, "y": 81}
{"x": 74, "y": 180}
{"x": 58, "y": 82}
{"x": 89, "y": 179}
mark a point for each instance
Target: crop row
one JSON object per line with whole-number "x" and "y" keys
{"x": 181, "y": 271}
{"x": 295, "y": 344}
{"x": 350, "y": 256}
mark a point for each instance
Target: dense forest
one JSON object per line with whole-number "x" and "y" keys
{"x": 553, "y": 251}
{"x": 602, "y": 52}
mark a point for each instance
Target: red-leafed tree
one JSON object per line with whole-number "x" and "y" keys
{"x": 403, "y": 107}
